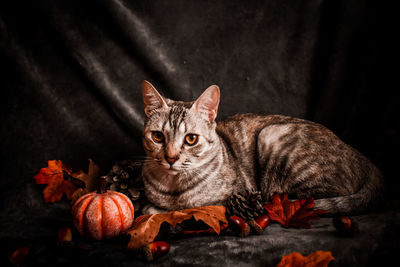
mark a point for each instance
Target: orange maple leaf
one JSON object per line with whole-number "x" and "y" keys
{"x": 316, "y": 259}
{"x": 54, "y": 178}
{"x": 292, "y": 213}
{"x": 146, "y": 227}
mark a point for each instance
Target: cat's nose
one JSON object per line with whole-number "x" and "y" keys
{"x": 171, "y": 160}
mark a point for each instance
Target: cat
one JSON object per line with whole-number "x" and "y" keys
{"x": 192, "y": 160}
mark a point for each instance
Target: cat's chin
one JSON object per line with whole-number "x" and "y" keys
{"x": 171, "y": 171}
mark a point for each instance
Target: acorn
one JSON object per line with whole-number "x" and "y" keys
{"x": 239, "y": 226}
{"x": 260, "y": 223}
{"x": 154, "y": 250}
{"x": 345, "y": 225}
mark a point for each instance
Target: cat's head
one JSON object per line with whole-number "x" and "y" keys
{"x": 179, "y": 135}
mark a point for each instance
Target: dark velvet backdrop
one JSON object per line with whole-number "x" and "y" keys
{"x": 71, "y": 74}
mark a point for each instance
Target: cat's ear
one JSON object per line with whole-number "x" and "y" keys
{"x": 208, "y": 102}
{"x": 151, "y": 98}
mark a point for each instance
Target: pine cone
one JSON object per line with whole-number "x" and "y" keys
{"x": 126, "y": 177}
{"x": 247, "y": 205}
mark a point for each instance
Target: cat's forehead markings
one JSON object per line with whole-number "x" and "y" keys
{"x": 176, "y": 116}
{"x": 164, "y": 126}
{"x": 182, "y": 127}
{"x": 179, "y": 128}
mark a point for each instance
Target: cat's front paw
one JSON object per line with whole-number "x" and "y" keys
{"x": 151, "y": 209}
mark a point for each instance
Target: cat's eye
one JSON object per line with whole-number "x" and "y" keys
{"x": 191, "y": 139}
{"x": 157, "y": 136}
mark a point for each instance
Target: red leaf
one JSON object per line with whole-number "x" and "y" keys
{"x": 316, "y": 259}
{"x": 292, "y": 213}
{"x": 54, "y": 178}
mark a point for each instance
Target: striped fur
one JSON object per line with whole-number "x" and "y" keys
{"x": 275, "y": 154}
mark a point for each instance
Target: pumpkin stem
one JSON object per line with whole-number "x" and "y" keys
{"x": 101, "y": 189}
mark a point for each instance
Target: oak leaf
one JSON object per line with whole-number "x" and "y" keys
{"x": 146, "y": 227}
{"x": 293, "y": 213}
{"x": 316, "y": 259}
{"x": 203, "y": 231}
{"x": 53, "y": 176}
{"x": 86, "y": 182}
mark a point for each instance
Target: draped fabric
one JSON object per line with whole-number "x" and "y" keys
{"x": 71, "y": 74}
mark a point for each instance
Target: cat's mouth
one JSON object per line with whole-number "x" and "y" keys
{"x": 170, "y": 169}
{"x": 172, "y": 172}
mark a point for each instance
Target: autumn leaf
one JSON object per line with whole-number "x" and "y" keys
{"x": 53, "y": 176}
{"x": 146, "y": 227}
{"x": 91, "y": 177}
{"x": 61, "y": 180}
{"x": 204, "y": 231}
{"x": 88, "y": 181}
{"x": 292, "y": 213}
{"x": 316, "y": 259}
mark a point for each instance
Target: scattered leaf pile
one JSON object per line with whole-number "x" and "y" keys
{"x": 61, "y": 180}
{"x": 316, "y": 259}
{"x": 293, "y": 213}
{"x": 146, "y": 227}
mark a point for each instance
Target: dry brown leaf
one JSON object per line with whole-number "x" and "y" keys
{"x": 93, "y": 174}
{"x": 89, "y": 179}
{"x": 146, "y": 227}
{"x": 316, "y": 259}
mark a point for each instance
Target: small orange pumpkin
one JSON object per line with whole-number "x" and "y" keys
{"x": 103, "y": 214}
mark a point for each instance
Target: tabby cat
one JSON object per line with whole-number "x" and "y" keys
{"x": 192, "y": 160}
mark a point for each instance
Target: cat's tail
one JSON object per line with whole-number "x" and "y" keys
{"x": 368, "y": 196}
